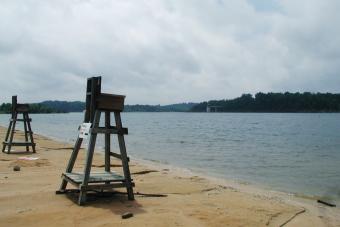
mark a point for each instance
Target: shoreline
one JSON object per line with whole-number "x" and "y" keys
{"x": 181, "y": 170}
{"x": 307, "y": 184}
{"x": 191, "y": 196}
{"x": 155, "y": 163}
{"x": 242, "y": 186}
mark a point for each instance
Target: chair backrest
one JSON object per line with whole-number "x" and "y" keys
{"x": 93, "y": 89}
{"x": 18, "y": 108}
{"x": 14, "y": 104}
{"x": 110, "y": 102}
{"x": 101, "y": 101}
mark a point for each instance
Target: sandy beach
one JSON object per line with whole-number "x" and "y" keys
{"x": 27, "y": 197}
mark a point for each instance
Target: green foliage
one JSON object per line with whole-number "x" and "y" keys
{"x": 41, "y": 108}
{"x": 181, "y": 107}
{"x": 49, "y": 107}
{"x": 276, "y": 102}
{"x": 34, "y": 108}
{"x": 64, "y": 106}
{"x": 5, "y": 107}
{"x": 261, "y": 102}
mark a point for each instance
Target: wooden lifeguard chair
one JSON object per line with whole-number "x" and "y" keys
{"x": 29, "y": 141}
{"x": 96, "y": 103}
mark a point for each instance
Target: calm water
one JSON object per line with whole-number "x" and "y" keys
{"x": 297, "y": 153}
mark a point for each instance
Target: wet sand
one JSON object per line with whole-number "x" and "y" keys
{"x": 27, "y": 197}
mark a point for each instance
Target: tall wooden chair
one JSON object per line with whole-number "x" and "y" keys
{"x": 29, "y": 141}
{"x": 97, "y": 103}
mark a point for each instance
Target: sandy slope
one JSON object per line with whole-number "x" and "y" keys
{"x": 27, "y": 197}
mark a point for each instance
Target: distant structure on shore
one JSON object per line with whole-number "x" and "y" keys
{"x": 212, "y": 109}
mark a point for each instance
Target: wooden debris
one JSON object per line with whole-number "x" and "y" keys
{"x": 294, "y": 216}
{"x": 151, "y": 195}
{"x": 326, "y": 203}
{"x": 144, "y": 172}
{"x": 127, "y": 215}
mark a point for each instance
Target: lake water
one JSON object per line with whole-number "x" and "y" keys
{"x": 297, "y": 153}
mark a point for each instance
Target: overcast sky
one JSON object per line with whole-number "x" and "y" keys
{"x": 162, "y": 52}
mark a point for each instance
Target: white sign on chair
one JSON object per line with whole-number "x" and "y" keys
{"x": 84, "y": 130}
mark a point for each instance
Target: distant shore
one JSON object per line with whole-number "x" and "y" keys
{"x": 271, "y": 102}
{"x": 28, "y": 197}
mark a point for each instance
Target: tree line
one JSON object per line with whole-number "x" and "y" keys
{"x": 77, "y": 106}
{"x": 275, "y": 102}
{"x": 261, "y": 102}
{"x": 34, "y": 108}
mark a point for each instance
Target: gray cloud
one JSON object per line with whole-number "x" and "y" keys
{"x": 167, "y": 51}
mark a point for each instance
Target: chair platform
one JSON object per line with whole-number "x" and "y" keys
{"x": 95, "y": 177}
{"x": 98, "y": 181}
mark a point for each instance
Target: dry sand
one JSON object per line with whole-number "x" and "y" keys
{"x": 27, "y": 197}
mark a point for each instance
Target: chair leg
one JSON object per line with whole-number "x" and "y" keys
{"x": 107, "y": 142}
{"x": 30, "y": 133}
{"x": 125, "y": 163}
{"x": 71, "y": 163}
{"x": 7, "y": 135}
{"x": 82, "y": 197}
{"x": 88, "y": 160}
{"x": 9, "y": 146}
{"x": 25, "y": 131}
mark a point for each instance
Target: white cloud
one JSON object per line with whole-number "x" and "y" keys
{"x": 167, "y": 51}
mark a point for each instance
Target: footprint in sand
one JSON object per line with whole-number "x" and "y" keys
{"x": 30, "y": 163}
{"x": 161, "y": 211}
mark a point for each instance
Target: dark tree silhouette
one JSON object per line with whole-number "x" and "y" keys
{"x": 276, "y": 102}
